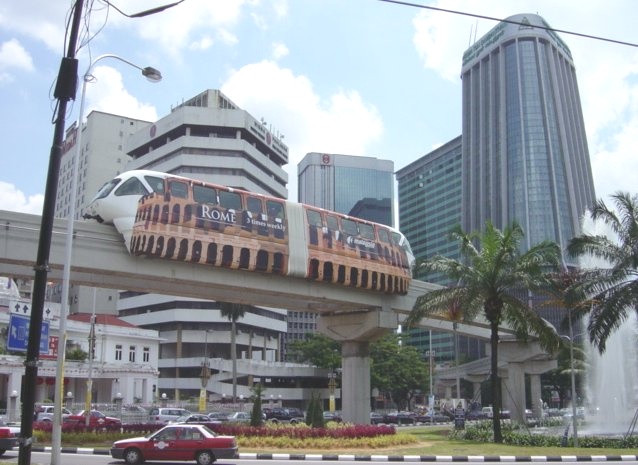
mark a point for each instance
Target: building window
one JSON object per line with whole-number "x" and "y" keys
{"x": 146, "y": 356}
{"x": 131, "y": 354}
{"x": 118, "y": 352}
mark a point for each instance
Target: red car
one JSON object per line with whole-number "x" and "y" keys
{"x": 96, "y": 420}
{"x": 177, "y": 442}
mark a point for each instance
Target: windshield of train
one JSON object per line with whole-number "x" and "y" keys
{"x": 107, "y": 188}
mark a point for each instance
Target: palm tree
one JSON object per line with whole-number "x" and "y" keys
{"x": 233, "y": 312}
{"x": 491, "y": 282}
{"x": 613, "y": 291}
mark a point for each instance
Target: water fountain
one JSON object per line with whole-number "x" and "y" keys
{"x": 612, "y": 378}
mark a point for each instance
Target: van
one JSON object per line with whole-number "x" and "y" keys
{"x": 165, "y": 414}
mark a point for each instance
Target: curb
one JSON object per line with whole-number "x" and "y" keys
{"x": 393, "y": 458}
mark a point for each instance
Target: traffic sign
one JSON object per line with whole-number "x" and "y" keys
{"x": 23, "y": 307}
{"x": 19, "y": 334}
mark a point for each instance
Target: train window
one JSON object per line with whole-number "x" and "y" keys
{"x": 332, "y": 222}
{"x": 396, "y": 238}
{"x": 314, "y": 218}
{"x": 254, "y": 205}
{"x": 349, "y": 227}
{"x": 178, "y": 189}
{"x": 131, "y": 186}
{"x": 107, "y": 188}
{"x": 366, "y": 231}
{"x": 383, "y": 235}
{"x": 275, "y": 209}
{"x": 157, "y": 184}
{"x": 204, "y": 194}
{"x": 230, "y": 200}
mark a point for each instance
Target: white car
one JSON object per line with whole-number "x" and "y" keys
{"x": 45, "y": 412}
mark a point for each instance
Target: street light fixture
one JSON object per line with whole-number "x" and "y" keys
{"x": 152, "y": 75}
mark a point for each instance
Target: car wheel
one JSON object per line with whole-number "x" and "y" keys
{"x": 2, "y": 451}
{"x": 293, "y": 422}
{"x": 133, "y": 456}
{"x": 204, "y": 458}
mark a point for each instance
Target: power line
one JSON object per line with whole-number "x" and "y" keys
{"x": 491, "y": 18}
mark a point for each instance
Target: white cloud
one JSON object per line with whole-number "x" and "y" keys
{"x": 203, "y": 43}
{"x": 13, "y": 55}
{"x": 110, "y": 96}
{"x": 12, "y": 199}
{"x": 43, "y": 21}
{"x": 279, "y": 50}
{"x": 341, "y": 123}
{"x": 174, "y": 28}
{"x": 607, "y": 73}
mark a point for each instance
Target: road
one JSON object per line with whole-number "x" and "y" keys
{"x": 44, "y": 458}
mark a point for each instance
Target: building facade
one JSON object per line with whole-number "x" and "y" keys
{"x": 525, "y": 153}
{"x": 353, "y": 185}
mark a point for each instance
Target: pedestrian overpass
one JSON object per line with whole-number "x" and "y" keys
{"x": 353, "y": 316}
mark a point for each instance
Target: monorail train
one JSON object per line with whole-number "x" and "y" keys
{"x": 173, "y": 217}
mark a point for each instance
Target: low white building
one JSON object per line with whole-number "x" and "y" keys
{"x": 125, "y": 358}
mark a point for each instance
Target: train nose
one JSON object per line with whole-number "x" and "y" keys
{"x": 90, "y": 213}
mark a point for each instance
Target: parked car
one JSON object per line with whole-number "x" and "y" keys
{"x": 45, "y": 412}
{"x": 332, "y": 416}
{"x": 286, "y": 415}
{"x": 9, "y": 437}
{"x": 96, "y": 419}
{"x": 192, "y": 418}
{"x": 377, "y": 418}
{"x": 164, "y": 415}
{"x": 432, "y": 417}
{"x": 220, "y": 417}
{"x": 239, "y": 417}
{"x": 177, "y": 442}
{"x": 400, "y": 418}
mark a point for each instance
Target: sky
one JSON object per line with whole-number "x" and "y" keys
{"x": 356, "y": 77}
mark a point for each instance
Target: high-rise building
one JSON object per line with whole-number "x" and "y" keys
{"x": 210, "y": 138}
{"x": 354, "y": 185}
{"x": 430, "y": 191}
{"x": 525, "y": 154}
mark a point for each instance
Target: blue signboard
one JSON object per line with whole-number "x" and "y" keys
{"x": 18, "y": 337}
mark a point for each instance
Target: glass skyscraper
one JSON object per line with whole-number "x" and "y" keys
{"x": 353, "y": 185}
{"x": 525, "y": 154}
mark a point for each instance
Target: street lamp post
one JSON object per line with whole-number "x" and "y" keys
{"x": 65, "y": 90}
{"x": 152, "y": 75}
{"x": 573, "y": 378}
{"x": 430, "y": 354}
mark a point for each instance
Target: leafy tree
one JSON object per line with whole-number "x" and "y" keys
{"x": 256, "y": 415}
{"x": 76, "y": 354}
{"x": 318, "y": 350}
{"x": 493, "y": 280}
{"x": 233, "y": 312}
{"x": 613, "y": 291}
{"x": 314, "y": 414}
{"x": 397, "y": 369}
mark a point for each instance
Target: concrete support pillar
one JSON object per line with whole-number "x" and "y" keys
{"x": 355, "y": 388}
{"x": 356, "y": 330}
{"x": 513, "y": 392}
{"x": 535, "y": 392}
{"x": 476, "y": 390}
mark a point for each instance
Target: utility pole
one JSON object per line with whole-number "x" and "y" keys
{"x": 65, "y": 90}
